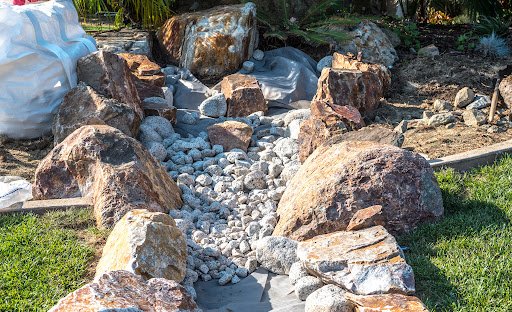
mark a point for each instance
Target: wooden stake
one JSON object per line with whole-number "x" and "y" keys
{"x": 494, "y": 102}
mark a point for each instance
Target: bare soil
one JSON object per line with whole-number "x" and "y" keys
{"x": 21, "y": 157}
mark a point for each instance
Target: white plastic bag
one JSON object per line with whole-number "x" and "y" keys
{"x": 14, "y": 190}
{"x": 39, "y": 47}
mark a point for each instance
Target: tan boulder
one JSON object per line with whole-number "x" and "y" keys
{"x": 145, "y": 243}
{"x": 327, "y": 121}
{"x": 388, "y": 302}
{"x": 84, "y": 106}
{"x": 342, "y": 61}
{"x": 109, "y": 75}
{"x": 116, "y": 171}
{"x": 366, "y": 218}
{"x": 148, "y": 77}
{"x": 210, "y": 43}
{"x": 243, "y": 95}
{"x": 124, "y": 291}
{"x": 505, "y": 88}
{"x": 230, "y": 134}
{"x": 338, "y": 180}
{"x": 363, "y": 262}
{"x": 362, "y": 90}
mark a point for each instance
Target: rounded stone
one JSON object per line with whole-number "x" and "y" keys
{"x": 306, "y": 286}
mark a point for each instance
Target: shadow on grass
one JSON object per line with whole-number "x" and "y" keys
{"x": 448, "y": 246}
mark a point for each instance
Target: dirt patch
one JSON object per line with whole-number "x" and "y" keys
{"x": 21, "y": 157}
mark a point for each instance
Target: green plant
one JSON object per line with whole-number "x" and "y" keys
{"x": 409, "y": 34}
{"x": 147, "y": 13}
{"x": 317, "y": 25}
{"x": 465, "y": 42}
{"x": 487, "y": 25}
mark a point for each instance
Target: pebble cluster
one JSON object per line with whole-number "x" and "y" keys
{"x": 230, "y": 197}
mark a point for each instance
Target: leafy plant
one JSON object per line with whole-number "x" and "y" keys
{"x": 438, "y": 17}
{"x": 318, "y": 25}
{"x": 493, "y": 46}
{"x": 488, "y": 25}
{"x": 465, "y": 42}
{"x": 409, "y": 34}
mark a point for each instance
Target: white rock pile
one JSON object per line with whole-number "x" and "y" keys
{"x": 230, "y": 197}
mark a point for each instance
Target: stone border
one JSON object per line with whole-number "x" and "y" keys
{"x": 468, "y": 160}
{"x": 42, "y": 206}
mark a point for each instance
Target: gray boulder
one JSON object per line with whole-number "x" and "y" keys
{"x": 276, "y": 253}
{"x": 215, "y": 106}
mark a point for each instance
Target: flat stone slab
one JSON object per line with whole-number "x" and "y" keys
{"x": 259, "y": 292}
{"x": 42, "y": 206}
{"x": 479, "y": 157}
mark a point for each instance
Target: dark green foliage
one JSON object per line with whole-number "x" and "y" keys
{"x": 409, "y": 34}
{"x": 488, "y": 25}
{"x": 466, "y": 41}
{"x": 317, "y": 25}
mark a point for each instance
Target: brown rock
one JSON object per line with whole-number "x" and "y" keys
{"x": 84, "y": 106}
{"x": 363, "y": 262}
{"x": 210, "y": 43}
{"x": 505, "y": 88}
{"x": 109, "y": 75}
{"x": 243, "y": 95}
{"x": 147, "y": 244}
{"x": 230, "y": 134}
{"x": 344, "y": 87}
{"x": 148, "y": 77}
{"x": 342, "y": 61}
{"x": 160, "y": 109}
{"x": 366, "y": 218}
{"x": 389, "y": 302}
{"x": 115, "y": 170}
{"x": 327, "y": 121}
{"x": 373, "y": 133}
{"x": 122, "y": 290}
{"x": 338, "y": 180}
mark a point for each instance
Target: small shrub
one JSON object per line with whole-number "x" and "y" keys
{"x": 488, "y": 25}
{"x": 493, "y": 46}
{"x": 438, "y": 17}
{"x": 409, "y": 34}
{"x": 466, "y": 41}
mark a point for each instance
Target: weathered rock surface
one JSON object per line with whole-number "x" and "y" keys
{"x": 124, "y": 291}
{"x": 326, "y": 122}
{"x": 148, "y": 77}
{"x": 373, "y": 42}
{"x": 329, "y": 298}
{"x": 429, "y": 51}
{"x": 109, "y": 75}
{"x": 342, "y": 61}
{"x": 505, "y": 88}
{"x": 115, "y": 170}
{"x": 474, "y": 117}
{"x": 276, "y": 254}
{"x": 157, "y": 106}
{"x": 389, "y": 302}
{"x": 215, "y": 106}
{"x": 364, "y": 262}
{"x": 84, "y": 106}
{"x": 145, "y": 243}
{"x": 373, "y": 133}
{"x": 337, "y": 180}
{"x": 464, "y": 97}
{"x": 210, "y": 43}
{"x": 230, "y": 134}
{"x": 306, "y": 285}
{"x": 366, "y": 218}
{"x": 441, "y": 119}
{"x": 362, "y": 90}
{"x": 243, "y": 95}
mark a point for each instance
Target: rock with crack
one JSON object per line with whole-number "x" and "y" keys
{"x": 388, "y": 302}
{"x": 342, "y": 61}
{"x": 230, "y": 134}
{"x": 363, "y": 262}
{"x": 84, "y": 106}
{"x": 148, "y": 77}
{"x": 210, "y": 43}
{"x": 124, "y": 291}
{"x": 338, "y": 180}
{"x": 109, "y": 75}
{"x": 115, "y": 170}
{"x": 145, "y": 243}
{"x": 243, "y": 95}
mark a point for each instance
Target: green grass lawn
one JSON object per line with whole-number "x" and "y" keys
{"x": 464, "y": 261}
{"x": 43, "y": 258}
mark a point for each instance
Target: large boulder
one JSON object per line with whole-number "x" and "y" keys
{"x": 109, "y": 75}
{"x": 388, "y": 302}
{"x": 362, "y": 90}
{"x": 342, "y": 61}
{"x": 230, "y": 134}
{"x": 148, "y": 77}
{"x": 340, "y": 179}
{"x": 210, "y": 43}
{"x": 145, "y": 243}
{"x": 364, "y": 262}
{"x": 115, "y": 170}
{"x": 124, "y": 291}
{"x": 243, "y": 95}
{"x": 84, "y": 106}
{"x": 327, "y": 121}
{"x": 372, "y": 42}
{"x": 505, "y": 88}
